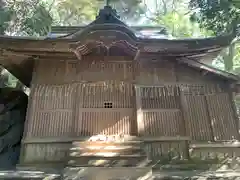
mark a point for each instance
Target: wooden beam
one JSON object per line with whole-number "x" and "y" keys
{"x": 215, "y": 145}
{"x": 132, "y": 139}
{"x": 72, "y": 29}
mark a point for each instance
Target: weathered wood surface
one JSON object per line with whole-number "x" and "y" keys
{"x": 215, "y": 150}
{"x": 110, "y": 151}
{"x": 103, "y": 173}
{"x": 131, "y": 139}
{"x": 116, "y": 95}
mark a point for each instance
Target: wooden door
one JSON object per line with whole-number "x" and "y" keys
{"x": 105, "y": 108}
{"x": 158, "y": 111}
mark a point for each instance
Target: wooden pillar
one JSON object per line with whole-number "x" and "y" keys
{"x": 139, "y": 111}
{"x": 183, "y": 107}
{"x": 234, "y": 111}
{"x": 209, "y": 117}
{"x": 77, "y": 111}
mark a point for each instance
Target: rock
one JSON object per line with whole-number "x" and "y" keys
{"x": 11, "y": 129}
{"x": 9, "y": 158}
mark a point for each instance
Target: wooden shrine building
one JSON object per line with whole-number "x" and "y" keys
{"x": 104, "y": 79}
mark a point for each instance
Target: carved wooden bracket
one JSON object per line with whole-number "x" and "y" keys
{"x": 81, "y": 49}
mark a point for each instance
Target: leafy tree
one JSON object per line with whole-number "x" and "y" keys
{"x": 179, "y": 26}
{"x": 22, "y": 17}
{"x": 220, "y": 16}
{"x": 173, "y": 15}
{"x": 75, "y": 12}
{"x": 25, "y": 17}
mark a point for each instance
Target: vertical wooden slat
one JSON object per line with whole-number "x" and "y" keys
{"x": 140, "y": 122}
{"x": 234, "y": 111}
{"x": 223, "y": 121}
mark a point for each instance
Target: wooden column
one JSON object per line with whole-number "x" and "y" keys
{"x": 234, "y": 111}
{"x": 77, "y": 113}
{"x": 139, "y": 111}
{"x": 209, "y": 118}
{"x": 184, "y": 108}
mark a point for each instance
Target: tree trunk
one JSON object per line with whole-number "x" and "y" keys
{"x": 228, "y": 60}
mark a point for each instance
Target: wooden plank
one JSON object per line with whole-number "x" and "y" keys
{"x": 164, "y": 138}
{"x": 215, "y": 145}
{"x": 104, "y": 148}
{"x": 140, "y": 122}
{"x": 104, "y": 173}
{"x": 103, "y": 151}
{"x": 234, "y": 111}
{"x": 160, "y": 110}
{"x": 132, "y": 139}
{"x": 71, "y": 29}
{"x": 118, "y": 157}
{"x": 106, "y": 109}
{"x": 103, "y": 143}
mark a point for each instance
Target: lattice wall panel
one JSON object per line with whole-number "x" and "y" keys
{"x": 200, "y": 89}
{"x": 94, "y": 69}
{"x": 158, "y": 112}
{"x": 160, "y": 97}
{"x": 96, "y": 95}
{"x": 222, "y": 117}
{"x": 91, "y": 69}
{"x": 51, "y": 113}
{"x": 109, "y": 122}
{"x": 197, "y": 120}
{"x": 185, "y": 74}
{"x": 162, "y": 123}
{"x": 105, "y": 108}
{"x": 51, "y": 124}
{"x": 170, "y": 150}
{"x": 156, "y": 73}
{"x": 55, "y": 72}
{"x": 39, "y": 153}
{"x": 105, "y": 70}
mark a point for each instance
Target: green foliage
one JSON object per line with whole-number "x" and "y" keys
{"x": 77, "y": 12}
{"x": 220, "y": 16}
{"x": 7, "y": 79}
{"x": 22, "y": 17}
{"x": 129, "y": 10}
{"x": 25, "y": 17}
{"x": 236, "y": 59}
{"x": 179, "y": 25}
{"x": 39, "y": 22}
{"x": 173, "y": 14}
{"x": 5, "y": 17}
